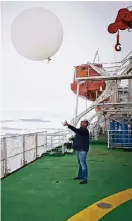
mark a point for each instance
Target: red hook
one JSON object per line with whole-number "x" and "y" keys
{"x": 118, "y": 45}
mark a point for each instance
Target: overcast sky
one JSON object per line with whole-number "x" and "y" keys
{"x": 40, "y": 86}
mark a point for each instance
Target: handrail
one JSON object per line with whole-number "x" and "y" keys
{"x": 25, "y": 148}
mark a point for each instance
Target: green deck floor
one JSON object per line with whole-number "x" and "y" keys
{"x": 32, "y": 194}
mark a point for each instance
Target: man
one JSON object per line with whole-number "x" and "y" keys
{"x": 81, "y": 145}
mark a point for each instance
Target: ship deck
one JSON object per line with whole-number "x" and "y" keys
{"x": 45, "y": 189}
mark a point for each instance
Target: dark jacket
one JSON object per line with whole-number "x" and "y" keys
{"x": 81, "y": 141}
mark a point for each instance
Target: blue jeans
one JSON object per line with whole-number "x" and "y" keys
{"x": 83, "y": 168}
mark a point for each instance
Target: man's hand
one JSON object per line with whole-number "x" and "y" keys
{"x": 65, "y": 123}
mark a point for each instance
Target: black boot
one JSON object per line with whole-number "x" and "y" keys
{"x": 83, "y": 182}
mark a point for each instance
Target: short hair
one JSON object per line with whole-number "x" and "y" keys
{"x": 86, "y": 121}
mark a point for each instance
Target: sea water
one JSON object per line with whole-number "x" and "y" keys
{"x": 20, "y": 122}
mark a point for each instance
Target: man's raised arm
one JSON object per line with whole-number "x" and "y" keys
{"x": 80, "y": 131}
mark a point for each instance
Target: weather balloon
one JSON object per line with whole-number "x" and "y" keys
{"x": 36, "y": 33}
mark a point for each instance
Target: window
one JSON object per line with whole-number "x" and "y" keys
{"x": 84, "y": 68}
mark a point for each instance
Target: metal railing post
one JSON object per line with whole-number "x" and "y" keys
{"x": 36, "y": 144}
{"x": 24, "y": 159}
{"x": 108, "y": 140}
{"x": 63, "y": 146}
{"x": 5, "y": 153}
{"x": 51, "y": 143}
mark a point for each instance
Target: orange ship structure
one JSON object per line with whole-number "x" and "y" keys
{"x": 88, "y": 89}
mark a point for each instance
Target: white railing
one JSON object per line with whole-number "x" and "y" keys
{"x": 57, "y": 139}
{"x": 19, "y": 150}
{"x": 119, "y": 139}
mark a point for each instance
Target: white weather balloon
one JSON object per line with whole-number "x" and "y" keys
{"x": 36, "y": 33}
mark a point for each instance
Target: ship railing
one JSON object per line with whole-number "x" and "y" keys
{"x": 119, "y": 139}
{"x": 20, "y": 150}
{"x": 57, "y": 139}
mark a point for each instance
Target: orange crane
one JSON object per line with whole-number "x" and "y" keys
{"x": 123, "y": 21}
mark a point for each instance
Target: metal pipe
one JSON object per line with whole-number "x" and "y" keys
{"x": 128, "y": 104}
{"x": 118, "y": 110}
{"x": 106, "y": 78}
{"x": 130, "y": 86}
{"x": 77, "y": 96}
